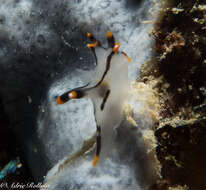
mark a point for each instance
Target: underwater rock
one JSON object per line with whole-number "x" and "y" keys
{"x": 120, "y": 149}
{"x": 178, "y": 72}
{"x": 42, "y": 43}
{"x": 181, "y": 151}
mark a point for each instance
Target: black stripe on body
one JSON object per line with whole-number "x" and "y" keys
{"x": 105, "y": 99}
{"x": 108, "y": 62}
{"x": 95, "y": 56}
{"x": 111, "y": 43}
{"x": 98, "y": 140}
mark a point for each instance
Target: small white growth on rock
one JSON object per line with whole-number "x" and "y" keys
{"x": 142, "y": 105}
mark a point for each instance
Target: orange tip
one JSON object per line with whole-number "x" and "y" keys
{"x": 73, "y": 94}
{"x": 96, "y": 158}
{"x": 116, "y": 47}
{"x": 59, "y": 101}
{"x": 89, "y": 34}
{"x": 92, "y": 45}
{"x": 109, "y": 34}
{"x": 128, "y": 58}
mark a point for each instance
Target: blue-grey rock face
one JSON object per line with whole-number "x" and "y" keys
{"x": 42, "y": 52}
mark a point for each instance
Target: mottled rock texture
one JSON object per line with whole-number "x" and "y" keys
{"x": 42, "y": 44}
{"x": 178, "y": 70}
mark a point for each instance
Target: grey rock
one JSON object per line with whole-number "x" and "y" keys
{"x": 42, "y": 44}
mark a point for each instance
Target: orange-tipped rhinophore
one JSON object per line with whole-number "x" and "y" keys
{"x": 59, "y": 101}
{"x": 128, "y": 58}
{"x": 95, "y": 161}
{"x": 109, "y": 34}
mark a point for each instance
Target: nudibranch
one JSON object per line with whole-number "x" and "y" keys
{"x": 107, "y": 92}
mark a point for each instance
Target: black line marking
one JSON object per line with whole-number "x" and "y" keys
{"x": 94, "y": 53}
{"x": 108, "y": 62}
{"x": 98, "y": 140}
{"x": 122, "y": 52}
{"x": 105, "y": 99}
{"x": 125, "y": 54}
{"x": 111, "y": 43}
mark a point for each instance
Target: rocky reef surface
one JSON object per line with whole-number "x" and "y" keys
{"x": 178, "y": 72}
{"x": 159, "y": 144}
{"x": 43, "y": 52}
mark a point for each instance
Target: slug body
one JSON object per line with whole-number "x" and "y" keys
{"x": 107, "y": 91}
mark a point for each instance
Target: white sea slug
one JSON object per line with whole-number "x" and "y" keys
{"x": 107, "y": 90}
